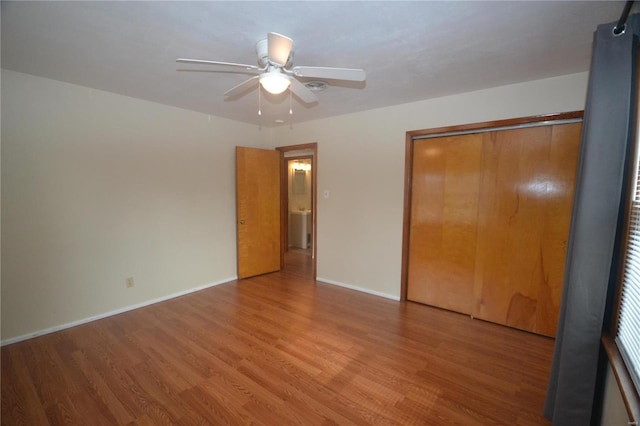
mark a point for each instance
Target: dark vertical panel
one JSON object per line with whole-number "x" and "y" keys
{"x": 594, "y": 225}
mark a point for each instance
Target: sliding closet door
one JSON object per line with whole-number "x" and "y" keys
{"x": 523, "y": 224}
{"x": 489, "y": 222}
{"x": 444, "y": 210}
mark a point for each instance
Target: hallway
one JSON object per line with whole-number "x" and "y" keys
{"x": 298, "y": 262}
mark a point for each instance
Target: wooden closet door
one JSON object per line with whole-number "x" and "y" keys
{"x": 444, "y": 209}
{"x": 490, "y": 217}
{"x": 523, "y": 224}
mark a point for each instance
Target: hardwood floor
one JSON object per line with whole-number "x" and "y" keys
{"x": 278, "y": 349}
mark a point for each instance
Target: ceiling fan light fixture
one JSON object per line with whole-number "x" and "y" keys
{"x": 275, "y": 83}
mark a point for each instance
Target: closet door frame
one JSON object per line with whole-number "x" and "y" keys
{"x": 488, "y": 126}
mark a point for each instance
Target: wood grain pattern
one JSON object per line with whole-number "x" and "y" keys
{"x": 258, "y": 211}
{"x": 489, "y": 221}
{"x": 563, "y": 163}
{"x": 515, "y": 178}
{"x": 523, "y": 225}
{"x": 278, "y": 349}
{"x": 444, "y": 216}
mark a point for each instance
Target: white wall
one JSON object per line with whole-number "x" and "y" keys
{"x": 361, "y": 163}
{"x": 98, "y": 187}
{"x": 614, "y": 412}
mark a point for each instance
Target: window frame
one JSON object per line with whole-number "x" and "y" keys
{"x": 623, "y": 377}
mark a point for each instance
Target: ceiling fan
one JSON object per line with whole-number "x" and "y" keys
{"x": 275, "y": 74}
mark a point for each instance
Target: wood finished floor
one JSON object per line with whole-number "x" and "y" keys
{"x": 278, "y": 349}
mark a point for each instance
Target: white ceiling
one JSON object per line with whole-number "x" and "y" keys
{"x": 410, "y": 50}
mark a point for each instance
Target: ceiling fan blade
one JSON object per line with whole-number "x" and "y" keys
{"x": 242, "y": 87}
{"x": 301, "y": 91}
{"x": 279, "y": 48}
{"x": 350, "y": 74}
{"x": 225, "y": 64}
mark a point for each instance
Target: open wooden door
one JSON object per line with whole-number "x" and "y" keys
{"x": 258, "y": 211}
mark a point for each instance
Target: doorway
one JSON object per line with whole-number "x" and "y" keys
{"x": 298, "y": 189}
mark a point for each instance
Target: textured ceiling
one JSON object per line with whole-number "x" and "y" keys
{"x": 410, "y": 50}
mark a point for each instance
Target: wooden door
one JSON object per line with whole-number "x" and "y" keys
{"x": 523, "y": 225}
{"x": 489, "y": 222}
{"x": 258, "y": 211}
{"x": 444, "y": 212}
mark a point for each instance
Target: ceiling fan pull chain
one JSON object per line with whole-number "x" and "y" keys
{"x": 259, "y": 106}
{"x": 290, "y": 104}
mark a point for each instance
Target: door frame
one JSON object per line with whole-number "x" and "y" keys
{"x": 412, "y": 136}
{"x": 284, "y": 199}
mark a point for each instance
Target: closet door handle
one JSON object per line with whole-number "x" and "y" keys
{"x": 242, "y": 222}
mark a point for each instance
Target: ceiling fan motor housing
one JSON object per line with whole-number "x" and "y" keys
{"x": 262, "y": 51}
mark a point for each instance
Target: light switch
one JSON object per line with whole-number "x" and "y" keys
{"x": 325, "y": 194}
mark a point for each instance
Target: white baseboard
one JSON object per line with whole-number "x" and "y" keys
{"x": 362, "y": 289}
{"x": 111, "y": 313}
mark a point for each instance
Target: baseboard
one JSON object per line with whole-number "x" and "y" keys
{"x": 361, "y": 289}
{"x": 111, "y": 313}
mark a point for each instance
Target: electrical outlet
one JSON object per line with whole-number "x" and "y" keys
{"x": 130, "y": 282}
